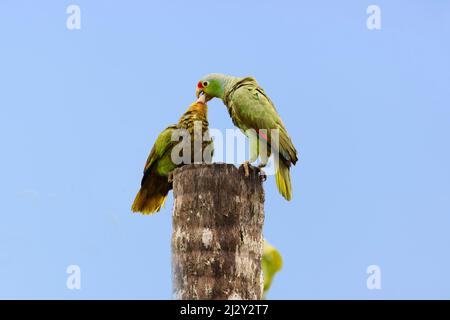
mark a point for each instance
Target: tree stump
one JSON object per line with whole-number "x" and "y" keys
{"x": 217, "y": 241}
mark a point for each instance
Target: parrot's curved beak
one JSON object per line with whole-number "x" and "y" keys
{"x": 201, "y": 95}
{"x": 201, "y": 98}
{"x": 199, "y": 92}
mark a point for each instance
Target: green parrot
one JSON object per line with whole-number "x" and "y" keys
{"x": 271, "y": 264}
{"x": 250, "y": 108}
{"x": 155, "y": 184}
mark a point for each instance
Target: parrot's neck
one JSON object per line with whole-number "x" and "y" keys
{"x": 198, "y": 108}
{"x": 233, "y": 84}
{"x": 196, "y": 112}
{"x": 228, "y": 83}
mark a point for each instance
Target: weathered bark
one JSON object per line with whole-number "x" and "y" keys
{"x": 217, "y": 241}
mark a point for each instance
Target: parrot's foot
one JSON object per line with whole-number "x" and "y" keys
{"x": 170, "y": 177}
{"x": 246, "y": 166}
{"x": 262, "y": 174}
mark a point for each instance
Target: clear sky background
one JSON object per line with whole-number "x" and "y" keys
{"x": 367, "y": 110}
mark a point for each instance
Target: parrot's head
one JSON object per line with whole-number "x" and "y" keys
{"x": 212, "y": 86}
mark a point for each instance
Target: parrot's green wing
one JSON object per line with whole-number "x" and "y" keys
{"x": 251, "y": 108}
{"x": 271, "y": 264}
{"x": 160, "y": 152}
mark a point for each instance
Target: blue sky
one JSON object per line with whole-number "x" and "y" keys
{"x": 367, "y": 110}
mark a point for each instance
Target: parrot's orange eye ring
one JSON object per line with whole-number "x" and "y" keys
{"x": 205, "y": 83}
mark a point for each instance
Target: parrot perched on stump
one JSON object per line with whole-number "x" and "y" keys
{"x": 155, "y": 184}
{"x": 250, "y": 108}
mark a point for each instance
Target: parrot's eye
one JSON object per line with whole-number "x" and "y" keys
{"x": 205, "y": 83}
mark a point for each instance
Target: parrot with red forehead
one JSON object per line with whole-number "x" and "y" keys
{"x": 155, "y": 184}
{"x": 250, "y": 108}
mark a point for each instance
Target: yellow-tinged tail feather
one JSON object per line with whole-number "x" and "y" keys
{"x": 283, "y": 180}
{"x": 152, "y": 195}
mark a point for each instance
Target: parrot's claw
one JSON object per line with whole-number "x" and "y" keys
{"x": 246, "y": 165}
{"x": 262, "y": 175}
{"x": 170, "y": 177}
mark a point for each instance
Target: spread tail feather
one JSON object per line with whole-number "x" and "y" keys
{"x": 152, "y": 195}
{"x": 283, "y": 180}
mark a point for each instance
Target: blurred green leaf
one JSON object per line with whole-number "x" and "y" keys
{"x": 272, "y": 262}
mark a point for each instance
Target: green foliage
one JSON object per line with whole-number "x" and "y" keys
{"x": 272, "y": 262}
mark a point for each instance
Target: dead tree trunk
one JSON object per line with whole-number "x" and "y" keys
{"x": 217, "y": 241}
